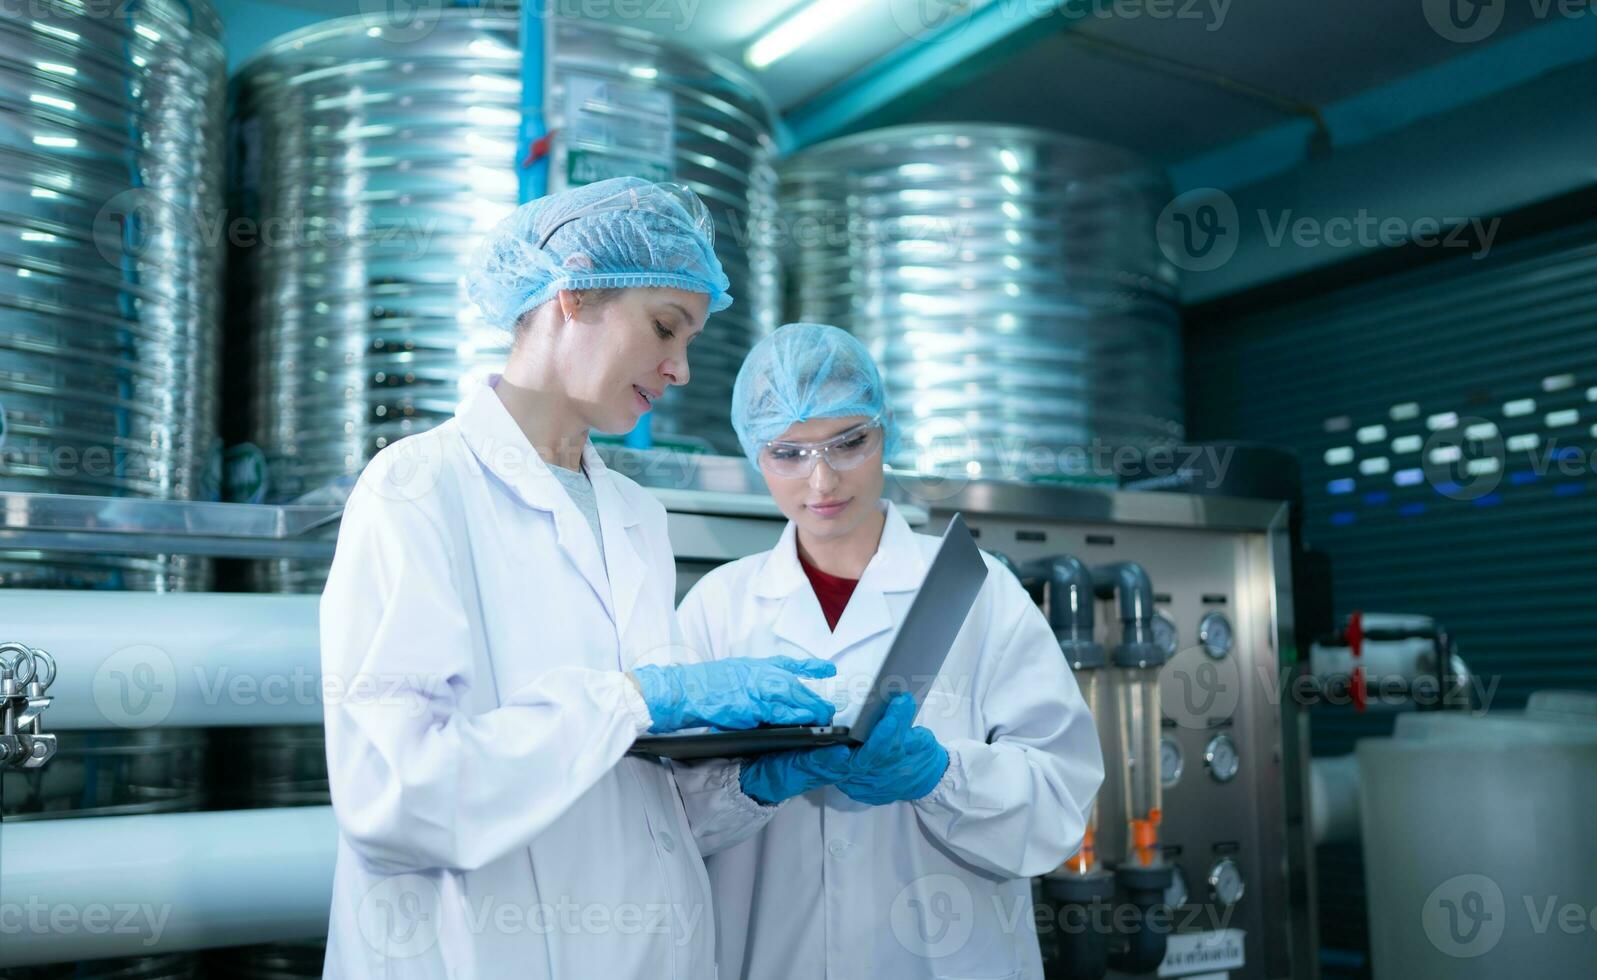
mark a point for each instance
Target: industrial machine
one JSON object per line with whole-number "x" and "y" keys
{"x": 1186, "y": 600}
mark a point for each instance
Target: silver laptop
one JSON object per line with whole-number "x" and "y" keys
{"x": 912, "y": 664}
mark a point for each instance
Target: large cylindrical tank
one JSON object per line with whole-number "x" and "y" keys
{"x": 111, "y": 138}
{"x": 167, "y": 966}
{"x": 1008, "y": 281}
{"x": 260, "y": 768}
{"x": 111, "y": 773}
{"x": 382, "y": 161}
{"x": 1478, "y": 851}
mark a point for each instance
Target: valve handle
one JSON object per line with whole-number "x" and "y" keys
{"x": 43, "y": 668}
{"x": 14, "y": 657}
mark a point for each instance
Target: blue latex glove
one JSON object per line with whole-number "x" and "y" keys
{"x": 775, "y": 776}
{"x": 897, "y": 761}
{"x": 739, "y": 692}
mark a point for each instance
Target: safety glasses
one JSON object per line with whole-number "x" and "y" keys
{"x": 844, "y": 451}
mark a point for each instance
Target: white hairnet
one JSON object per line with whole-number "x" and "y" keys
{"x": 806, "y": 371}
{"x": 612, "y": 234}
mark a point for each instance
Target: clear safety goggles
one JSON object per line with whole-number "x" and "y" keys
{"x": 844, "y": 451}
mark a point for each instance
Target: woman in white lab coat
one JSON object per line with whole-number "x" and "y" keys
{"x": 495, "y": 601}
{"x": 910, "y": 857}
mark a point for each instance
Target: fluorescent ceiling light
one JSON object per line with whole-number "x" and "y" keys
{"x": 798, "y": 30}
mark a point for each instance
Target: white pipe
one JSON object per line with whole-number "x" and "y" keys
{"x": 139, "y": 659}
{"x": 130, "y": 886}
{"x": 1334, "y": 800}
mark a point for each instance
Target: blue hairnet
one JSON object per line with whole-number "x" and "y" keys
{"x": 612, "y": 234}
{"x": 806, "y": 371}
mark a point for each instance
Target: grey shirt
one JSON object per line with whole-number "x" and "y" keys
{"x": 580, "y": 489}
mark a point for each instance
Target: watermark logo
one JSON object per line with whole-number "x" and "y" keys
{"x": 127, "y": 225}
{"x": 1464, "y": 916}
{"x": 401, "y": 20}
{"x": 1199, "y": 230}
{"x": 943, "y": 456}
{"x": 408, "y": 469}
{"x": 925, "y": 20}
{"x": 398, "y": 918}
{"x": 1465, "y": 461}
{"x": 1464, "y": 21}
{"x": 933, "y": 916}
{"x": 1197, "y": 691}
{"x": 404, "y": 21}
{"x": 136, "y": 687}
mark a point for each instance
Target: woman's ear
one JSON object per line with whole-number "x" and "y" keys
{"x": 570, "y": 303}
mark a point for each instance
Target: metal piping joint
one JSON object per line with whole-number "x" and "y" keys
{"x": 25, "y": 674}
{"x": 1128, "y": 579}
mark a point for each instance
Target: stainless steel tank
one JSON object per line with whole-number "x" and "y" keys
{"x": 271, "y": 961}
{"x": 382, "y": 162}
{"x": 100, "y": 773}
{"x": 168, "y": 966}
{"x": 1008, "y": 281}
{"x": 110, "y": 248}
{"x": 103, "y": 774}
{"x": 278, "y": 765}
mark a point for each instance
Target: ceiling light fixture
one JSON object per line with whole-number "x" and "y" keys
{"x": 810, "y": 22}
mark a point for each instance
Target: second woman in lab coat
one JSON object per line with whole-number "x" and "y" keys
{"x": 912, "y": 856}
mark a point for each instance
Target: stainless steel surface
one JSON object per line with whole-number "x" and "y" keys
{"x": 171, "y": 966}
{"x": 271, "y": 961}
{"x": 625, "y": 102}
{"x": 110, "y": 257}
{"x": 131, "y": 526}
{"x": 709, "y": 486}
{"x": 1200, "y": 559}
{"x": 110, "y": 773}
{"x": 26, "y": 674}
{"x": 272, "y": 766}
{"x": 392, "y": 156}
{"x": 1007, "y": 280}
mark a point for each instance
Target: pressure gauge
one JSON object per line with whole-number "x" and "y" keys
{"x": 1226, "y": 886}
{"x": 1170, "y": 761}
{"x": 1214, "y": 632}
{"x": 1165, "y": 634}
{"x": 1220, "y": 758}
{"x": 1176, "y": 895}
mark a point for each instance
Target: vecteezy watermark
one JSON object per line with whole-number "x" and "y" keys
{"x": 140, "y": 225}
{"x": 1467, "y": 916}
{"x": 943, "y": 20}
{"x": 934, "y": 916}
{"x": 138, "y": 686}
{"x": 410, "y": 468}
{"x": 1468, "y": 460}
{"x": 939, "y": 455}
{"x": 1464, "y": 21}
{"x": 36, "y": 917}
{"x": 411, "y": 20}
{"x": 1200, "y": 229}
{"x": 120, "y": 11}
{"x": 930, "y": 238}
{"x": 1471, "y": 21}
{"x": 1198, "y": 691}
{"x": 399, "y": 917}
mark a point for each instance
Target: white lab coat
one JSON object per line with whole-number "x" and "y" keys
{"x": 489, "y": 825}
{"x": 823, "y": 887}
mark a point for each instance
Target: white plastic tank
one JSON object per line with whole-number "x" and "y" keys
{"x": 1480, "y": 861}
